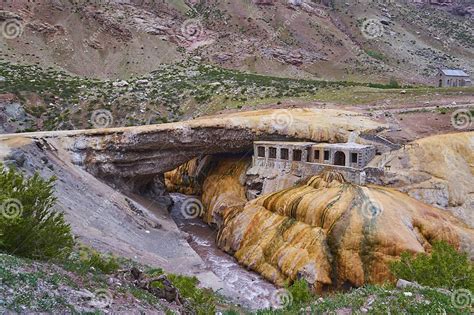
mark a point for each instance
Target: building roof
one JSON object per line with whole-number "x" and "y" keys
{"x": 454, "y": 72}
{"x": 286, "y": 143}
{"x": 346, "y": 145}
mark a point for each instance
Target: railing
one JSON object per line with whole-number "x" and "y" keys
{"x": 270, "y": 162}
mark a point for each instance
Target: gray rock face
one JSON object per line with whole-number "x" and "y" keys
{"x": 16, "y": 157}
{"x": 12, "y": 117}
{"x": 134, "y": 160}
{"x": 293, "y": 57}
{"x": 402, "y": 284}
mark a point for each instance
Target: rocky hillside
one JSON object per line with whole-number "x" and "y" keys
{"x": 35, "y": 98}
{"x": 72, "y": 65}
{"x": 343, "y": 40}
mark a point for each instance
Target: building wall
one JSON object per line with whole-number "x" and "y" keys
{"x": 364, "y": 156}
{"x": 307, "y": 169}
{"x": 452, "y": 81}
{"x": 309, "y": 164}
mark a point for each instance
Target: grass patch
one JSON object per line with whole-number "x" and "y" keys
{"x": 445, "y": 267}
{"x": 375, "y": 54}
{"x": 375, "y": 299}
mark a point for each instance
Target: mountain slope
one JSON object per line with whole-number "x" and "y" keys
{"x": 355, "y": 40}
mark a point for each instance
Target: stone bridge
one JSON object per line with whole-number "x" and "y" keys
{"x": 131, "y": 157}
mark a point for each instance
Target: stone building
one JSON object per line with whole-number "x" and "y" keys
{"x": 453, "y": 78}
{"x": 278, "y": 165}
{"x": 352, "y": 155}
{"x": 342, "y": 154}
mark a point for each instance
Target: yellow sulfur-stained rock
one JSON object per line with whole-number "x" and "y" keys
{"x": 438, "y": 170}
{"x": 183, "y": 179}
{"x": 224, "y": 189}
{"x": 327, "y": 231}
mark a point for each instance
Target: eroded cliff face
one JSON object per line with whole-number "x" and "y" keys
{"x": 224, "y": 189}
{"x": 187, "y": 178}
{"x": 328, "y": 231}
{"x": 438, "y": 170}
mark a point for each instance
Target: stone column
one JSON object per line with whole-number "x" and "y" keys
{"x": 266, "y": 152}
{"x": 304, "y": 155}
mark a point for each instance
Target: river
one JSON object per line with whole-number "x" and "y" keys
{"x": 251, "y": 289}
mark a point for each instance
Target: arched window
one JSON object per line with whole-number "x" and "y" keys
{"x": 340, "y": 158}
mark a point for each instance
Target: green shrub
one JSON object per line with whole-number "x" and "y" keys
{"x": 300, "y": 292}
{"x": 375, "y": 54}
{"x": 92, "y": 258}
{"x": 28, "y": 225}
{"x": 444, "y": 268}
{"x": 393, "y": 83}
{"x": 203, "y": 301}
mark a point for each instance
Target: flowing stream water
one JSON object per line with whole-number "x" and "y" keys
{"x": 250, "y": 288}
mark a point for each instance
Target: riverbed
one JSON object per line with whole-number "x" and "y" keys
{"x": 251, "y": 290}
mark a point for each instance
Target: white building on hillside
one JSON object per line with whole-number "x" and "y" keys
{"x": 453, "y": 78}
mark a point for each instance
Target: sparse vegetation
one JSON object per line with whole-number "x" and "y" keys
{"x": 77, "y": 285}
{"x": 203, "y": 301}
{"x": 375, "y": 54}
{"x": 375, "y": 299}
{"x": 91, "y": 258}
{"x": 445, "y": 267}
{"x": 187, "y": 86}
